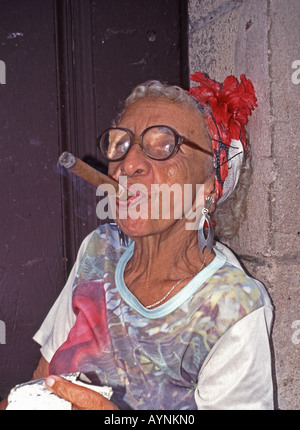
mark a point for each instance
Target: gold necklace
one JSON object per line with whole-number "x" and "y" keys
{"x": 173, "y": 287}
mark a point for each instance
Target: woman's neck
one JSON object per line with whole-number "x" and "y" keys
{"x": 169, "y": 255}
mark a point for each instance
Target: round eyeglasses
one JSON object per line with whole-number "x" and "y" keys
{"x": 158, "y": 142}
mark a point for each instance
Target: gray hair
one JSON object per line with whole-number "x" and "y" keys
{"x": 230, "y": 213}
{"x": 157, "y": 89}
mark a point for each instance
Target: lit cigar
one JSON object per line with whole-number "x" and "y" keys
{"x": 89, "y": 174}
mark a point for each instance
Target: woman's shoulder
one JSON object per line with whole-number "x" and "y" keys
{"x": 236, "y": 273}
{"x": 232, "y": 292}
{"x": 232, "y": 283}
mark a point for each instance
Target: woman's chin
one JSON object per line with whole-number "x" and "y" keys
{"x": 135, "y": 227}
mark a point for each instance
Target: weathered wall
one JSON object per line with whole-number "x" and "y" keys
{"x": 261, "y": 39}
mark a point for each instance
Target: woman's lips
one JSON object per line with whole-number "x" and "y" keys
{"x": 134, "y": 196}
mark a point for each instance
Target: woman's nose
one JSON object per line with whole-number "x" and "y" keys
{"x": 136, "y": 161}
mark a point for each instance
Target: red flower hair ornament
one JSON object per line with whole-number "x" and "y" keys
{"x": 230, "y": 105}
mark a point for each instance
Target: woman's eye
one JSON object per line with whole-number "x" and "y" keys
{"x": 168, "y": 147}
{"x": 122, "y": 146}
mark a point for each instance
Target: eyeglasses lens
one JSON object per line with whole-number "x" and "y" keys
{"x": 157, "y": 142}
{"x": 115, "y": 143}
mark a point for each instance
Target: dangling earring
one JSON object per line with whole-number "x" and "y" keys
{"x": 205, "y": 228}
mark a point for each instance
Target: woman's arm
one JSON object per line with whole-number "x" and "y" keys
{"x": 3, "y": 405}
{"x": 237, "y": 374}
{"x": 42, "y": 370}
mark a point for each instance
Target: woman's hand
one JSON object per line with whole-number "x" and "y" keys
{"x": 3, "y": 405}
{"x": 81, "y": 398}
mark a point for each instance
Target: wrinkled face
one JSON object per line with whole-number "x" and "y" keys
{"x": 150, "y": 212}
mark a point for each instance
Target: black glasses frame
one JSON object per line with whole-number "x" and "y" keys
{"x": 179, "y": 140}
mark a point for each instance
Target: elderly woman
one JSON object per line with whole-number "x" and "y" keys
{"x": 168, "y": 319}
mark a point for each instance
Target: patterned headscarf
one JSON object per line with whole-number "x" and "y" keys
{"x": 230, "y": 105}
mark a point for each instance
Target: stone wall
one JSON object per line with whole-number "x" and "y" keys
{"x": 261, "y": 38}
